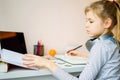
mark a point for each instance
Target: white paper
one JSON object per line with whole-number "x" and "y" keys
{"x": 12, "y": 57}
{"x": 75, "y": 60}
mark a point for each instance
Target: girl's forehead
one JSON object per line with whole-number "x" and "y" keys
{"x": 91, "y": 15}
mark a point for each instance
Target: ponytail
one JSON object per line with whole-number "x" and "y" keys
{"x": 117, "y": 29}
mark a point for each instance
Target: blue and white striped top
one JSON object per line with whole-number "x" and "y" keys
{"x": 104, "y": 64}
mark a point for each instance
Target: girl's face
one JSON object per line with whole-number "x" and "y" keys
{"x": 94, "y": 25}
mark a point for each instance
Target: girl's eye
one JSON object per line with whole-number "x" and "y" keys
{"x": 91, "y": 21}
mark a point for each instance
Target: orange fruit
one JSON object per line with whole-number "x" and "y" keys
{"x": 52, "y": 52}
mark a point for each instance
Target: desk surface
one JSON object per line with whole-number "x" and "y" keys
{"x": 20, "y": 73}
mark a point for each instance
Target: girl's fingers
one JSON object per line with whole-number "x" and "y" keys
{"x": 29, "y": 65}
{"x": 72, "y": 53}
{"x": 30, "y": 55}
{"x": 28, "y": 62}
{"x": 28, "y": 58}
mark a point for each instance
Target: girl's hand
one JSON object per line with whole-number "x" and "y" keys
{"x": 31, "y": 60}
{"x": 34, "y": 61}
{"x": 78, "y": 53}
{"x": 74, "y": 53}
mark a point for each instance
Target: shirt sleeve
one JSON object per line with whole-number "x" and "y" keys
{"x": 97, "y": 59}
{"x": 62, "y": 75}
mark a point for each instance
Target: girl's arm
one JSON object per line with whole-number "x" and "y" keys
{"x": 31, "y": 60}
{"x": 97, "y": 59}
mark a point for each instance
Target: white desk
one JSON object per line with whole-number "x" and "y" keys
{"x": 42, "y": 74}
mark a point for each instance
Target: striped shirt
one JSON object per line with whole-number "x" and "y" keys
{"x": 104, "y": 64}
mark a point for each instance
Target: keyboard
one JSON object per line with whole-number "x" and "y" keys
{"x": 74, "y": 60}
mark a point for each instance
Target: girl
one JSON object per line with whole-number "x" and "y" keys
{"x": 103, "y": 17}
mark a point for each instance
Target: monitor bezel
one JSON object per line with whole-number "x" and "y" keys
{"x": 18, "y": 33}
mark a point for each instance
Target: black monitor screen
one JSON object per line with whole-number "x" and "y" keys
{"x": 14, "y": 41}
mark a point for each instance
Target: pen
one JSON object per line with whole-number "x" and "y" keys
{"x": 38, "y": 48}
{"x": 74, "y": 48}
{"x": 41, "y": 48}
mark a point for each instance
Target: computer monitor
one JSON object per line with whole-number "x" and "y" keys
{"x": 14, "y": 41}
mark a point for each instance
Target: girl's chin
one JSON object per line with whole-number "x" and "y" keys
{"x": 91, "y": 36}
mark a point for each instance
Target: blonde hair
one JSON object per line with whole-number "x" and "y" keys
{"x": 108, "y": 9}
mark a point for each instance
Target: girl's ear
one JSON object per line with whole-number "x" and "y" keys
{"x": 107, "y": 23}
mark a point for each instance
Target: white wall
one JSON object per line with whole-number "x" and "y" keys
{"x": 58, "y": 23}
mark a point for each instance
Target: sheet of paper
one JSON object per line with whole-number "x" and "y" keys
{"x": 75, "y": 60}
{"x": 12, "y": 57}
